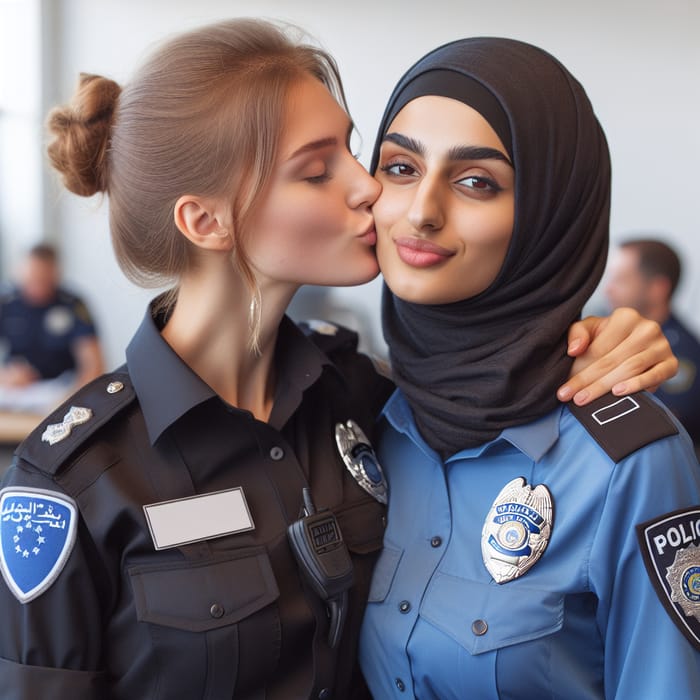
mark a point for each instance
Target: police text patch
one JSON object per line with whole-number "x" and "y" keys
{"x": 671, "y": 550}
{"x": 37, "y": 534}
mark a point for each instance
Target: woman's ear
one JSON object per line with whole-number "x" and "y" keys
{"x": 200, "y": 221}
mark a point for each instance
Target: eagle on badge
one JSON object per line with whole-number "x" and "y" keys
{"x": 516, "y": 530}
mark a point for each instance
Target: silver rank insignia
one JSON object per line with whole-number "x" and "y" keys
{"x": 59, "y": 431}
{"x": 516, "y": 530}
{"x": 360, "y": 459}
{"x": 670, "y": 547}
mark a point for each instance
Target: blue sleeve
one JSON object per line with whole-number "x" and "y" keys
{"x": 646, "y": 654}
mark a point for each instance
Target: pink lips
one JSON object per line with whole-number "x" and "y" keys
{"x": 418, "y": 252}
{"x": 369, "y": 236}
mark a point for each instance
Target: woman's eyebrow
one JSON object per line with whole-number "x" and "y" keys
{"x": 321, "y": 143}
{"x": 314, "y": 146}
{"x": 456, "y": 153}
{"x": 405, "y": 142}
{"x": 477, "y": 153}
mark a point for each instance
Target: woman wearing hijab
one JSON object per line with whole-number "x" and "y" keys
{"x": 143, "y": 543}
{"x": 532, "y": 550}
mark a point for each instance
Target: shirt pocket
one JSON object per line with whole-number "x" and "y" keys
{"x": 214, "y": 627}
{"x": 203, "y": 595}
{"x": 483, "y": 617}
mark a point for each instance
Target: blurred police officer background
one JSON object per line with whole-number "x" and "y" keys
{"x": 644, "y": 273}
{"x": 48, "y": 339}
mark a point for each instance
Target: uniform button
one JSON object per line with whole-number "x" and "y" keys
{"x": 404, "y": 606}
{"x": 276, "y": 453}
{"x": 400, "y": 685}
{"x": 325, "y": 694}
{"x": 479, "y": 627}
{"x": 216, "y": 610}
{"x": 436, "y": 541}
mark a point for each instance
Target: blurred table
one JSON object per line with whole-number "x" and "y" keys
{"x": 16, "y": 425}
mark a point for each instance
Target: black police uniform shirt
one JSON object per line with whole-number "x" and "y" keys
{"x": 44, "y": 335}
{"x": 229, "y": 617}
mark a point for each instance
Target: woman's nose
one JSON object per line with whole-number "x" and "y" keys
{"x": 365, "y": 190}
{"x": 426, "y": 210}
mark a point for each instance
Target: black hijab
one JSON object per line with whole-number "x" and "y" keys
{"x": 472, "y": 368}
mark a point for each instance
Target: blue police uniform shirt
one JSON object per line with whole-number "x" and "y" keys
{"x": 44, "y": 335}
{"x": 682, "y": 392}
{"x": 584, "y": 622}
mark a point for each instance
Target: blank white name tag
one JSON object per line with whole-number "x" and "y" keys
{"x": 186, "y": 520}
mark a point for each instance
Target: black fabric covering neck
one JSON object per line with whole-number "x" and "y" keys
{"x": 474, "y": 367}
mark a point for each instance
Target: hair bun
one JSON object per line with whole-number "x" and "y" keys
{"x": 80, "y": 134}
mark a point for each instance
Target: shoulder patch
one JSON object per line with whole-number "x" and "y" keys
{"x": 623, "y": 424}
{"x": 37, "y": 534}
{"x": 670, "y": 548}
{"x": 53, "y": 441}
{"x": 328, "y": 336}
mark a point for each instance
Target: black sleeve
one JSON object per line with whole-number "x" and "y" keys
{"x": 50, "y": 646}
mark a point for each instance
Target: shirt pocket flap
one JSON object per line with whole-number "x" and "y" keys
{"x": 487, "y": 616}
{"x": 203, "y": 595}
{"x": 362, "y": 525}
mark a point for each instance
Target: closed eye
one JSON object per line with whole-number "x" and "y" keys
{"x": 318, "y": 179}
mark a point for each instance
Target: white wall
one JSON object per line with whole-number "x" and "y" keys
{"x": 21, "y": 157}
{"x": 638, "y": 59}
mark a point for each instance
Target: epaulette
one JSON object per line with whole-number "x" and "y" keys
{"x": 329, "y": 337}
{"x": 623, "y": 424}
{"x": 63, "y": 431}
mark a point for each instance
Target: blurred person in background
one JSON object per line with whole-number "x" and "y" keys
{"x": 644, "y": 274}
{"x": 49, "y": 339}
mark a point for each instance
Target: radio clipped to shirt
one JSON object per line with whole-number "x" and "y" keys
{"x": 324, "y": 559}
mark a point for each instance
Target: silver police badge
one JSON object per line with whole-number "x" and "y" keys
{"x": 360, "y": 459}
{"x": 516, "y": 530}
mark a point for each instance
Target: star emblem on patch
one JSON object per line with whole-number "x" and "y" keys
{"x": 37, "y": 534}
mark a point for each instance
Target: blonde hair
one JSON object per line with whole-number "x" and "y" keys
{"x": 202, "y": 116}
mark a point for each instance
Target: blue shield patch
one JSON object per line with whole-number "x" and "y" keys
{"x": 37, "y": 534}
{"x": 670, "y": 548}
